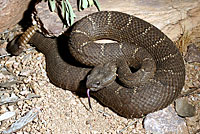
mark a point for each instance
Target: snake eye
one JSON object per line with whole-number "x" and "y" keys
{"x": 97, "y": 83}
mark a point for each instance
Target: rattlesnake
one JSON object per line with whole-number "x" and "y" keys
{"x": 159, "y": 64}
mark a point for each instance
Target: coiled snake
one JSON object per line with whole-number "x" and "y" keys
{"x": 159, "y": 68}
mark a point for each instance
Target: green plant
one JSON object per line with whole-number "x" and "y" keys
{"x": 66, "y": 10}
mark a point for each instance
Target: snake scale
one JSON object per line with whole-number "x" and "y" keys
{"x": 141, "y": 45}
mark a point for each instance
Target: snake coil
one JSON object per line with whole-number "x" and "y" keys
{"x": 157, "y": 93}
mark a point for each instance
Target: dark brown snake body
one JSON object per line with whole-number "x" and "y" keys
{"x": 133, "y": 34}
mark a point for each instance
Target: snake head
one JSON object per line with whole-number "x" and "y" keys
{"x": 101, "y": 76}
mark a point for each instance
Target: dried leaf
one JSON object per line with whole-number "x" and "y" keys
{"x": 91, "y": 3}
{"x": 23, "y": 121}
{"x": 52, "y": 4}
{"x": 80, "y": 5}
{"x": 6, "y": 115}
{"x": 12, "y": 99}
{"x": 71, "y": 13}
{"x": 8, "y": 83}
{"x": 63, "y": 9}
{"x": 96, "y": 2}
{"x": 84, "y": 4}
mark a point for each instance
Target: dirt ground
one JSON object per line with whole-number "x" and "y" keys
{"x": 62, "y": 112}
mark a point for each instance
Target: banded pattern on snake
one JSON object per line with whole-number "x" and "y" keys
{"x": 160, "y": 68}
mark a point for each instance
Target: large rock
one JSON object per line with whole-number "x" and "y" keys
{"x": 11, "y": 12}
{"x": 165, "y": 121}
{"x": 172, "y": 17}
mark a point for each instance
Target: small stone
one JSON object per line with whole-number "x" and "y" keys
{"x": 2, "y": 76}
{"x": 35, "y": 87}
{"x": 15, "y": 65}
{"x": 88, "y": 122}
{"x": 26, "y": 59}
{"x": 4, "y": 71}
{"x": 25, "y": 92}
{"x": 31, "y": 95}
{"x": 183, "y": 108}
{"x": 17, "y": 72}
{"x": 20, "y": 104}
{"x": 3, "y": 51}
{"x": 11, "y": 108}
{"x": 25, "y": 72}
{"x": 10, "y": 61}
{"x": 27, "y": 80}
{"x": 165, "y": 121}
{"x": 3, "y": 109}
{"x": 29, "y": 102}
{"x": 193, "y": 54}
{"x": 20, "y": 132}
{"x": 39, "y": 58}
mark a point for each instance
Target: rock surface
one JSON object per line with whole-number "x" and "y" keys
{"x": 172, "y": 17}
{"x": 165, "y": 121}
{"x": 193, "y": 54}
{"x": 51, "y": 21}
{"x": 11, "y": 12}
{"x": 183, "y": 108}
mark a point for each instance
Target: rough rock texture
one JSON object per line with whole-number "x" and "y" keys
{"x": 193, "y": 54}
{"x": 51, "y": 21}
{"x": 172, "y": 17}
{"x": 193, "y": 80}
{"x": 183, "y": 108}
{"x": 169, "y": 16}
{"x": 165, "y": 122}
{"x": 11, "y": 12}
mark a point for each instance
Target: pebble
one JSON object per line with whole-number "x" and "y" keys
{"x": 193, "y": 54}
{"x": 4, "y": 71}
{"x": 25, "y": 72}
{"x": 26, "y": 59}
{"x": 27, "y": 80}
{"x": 10, "y": 61}
{"x": 31, "y": 95}
{"x": 25, "y": 92}
{"x": 29, "y": 102}
{"x": 3, "y": 51}
{"x": 39, "y": 58}
{"x": 183, "y": 108}
{"x": 6, "y": 115}
{"x": 11, "y": 108}
{"x": 35, "y": 87}
{"x": 165, "y": 121}
{"x": 15, "y": 65}
{"x": 3, "y": 109}
{"x": 20, "y": 104}
{"x": 2, "y": 76}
